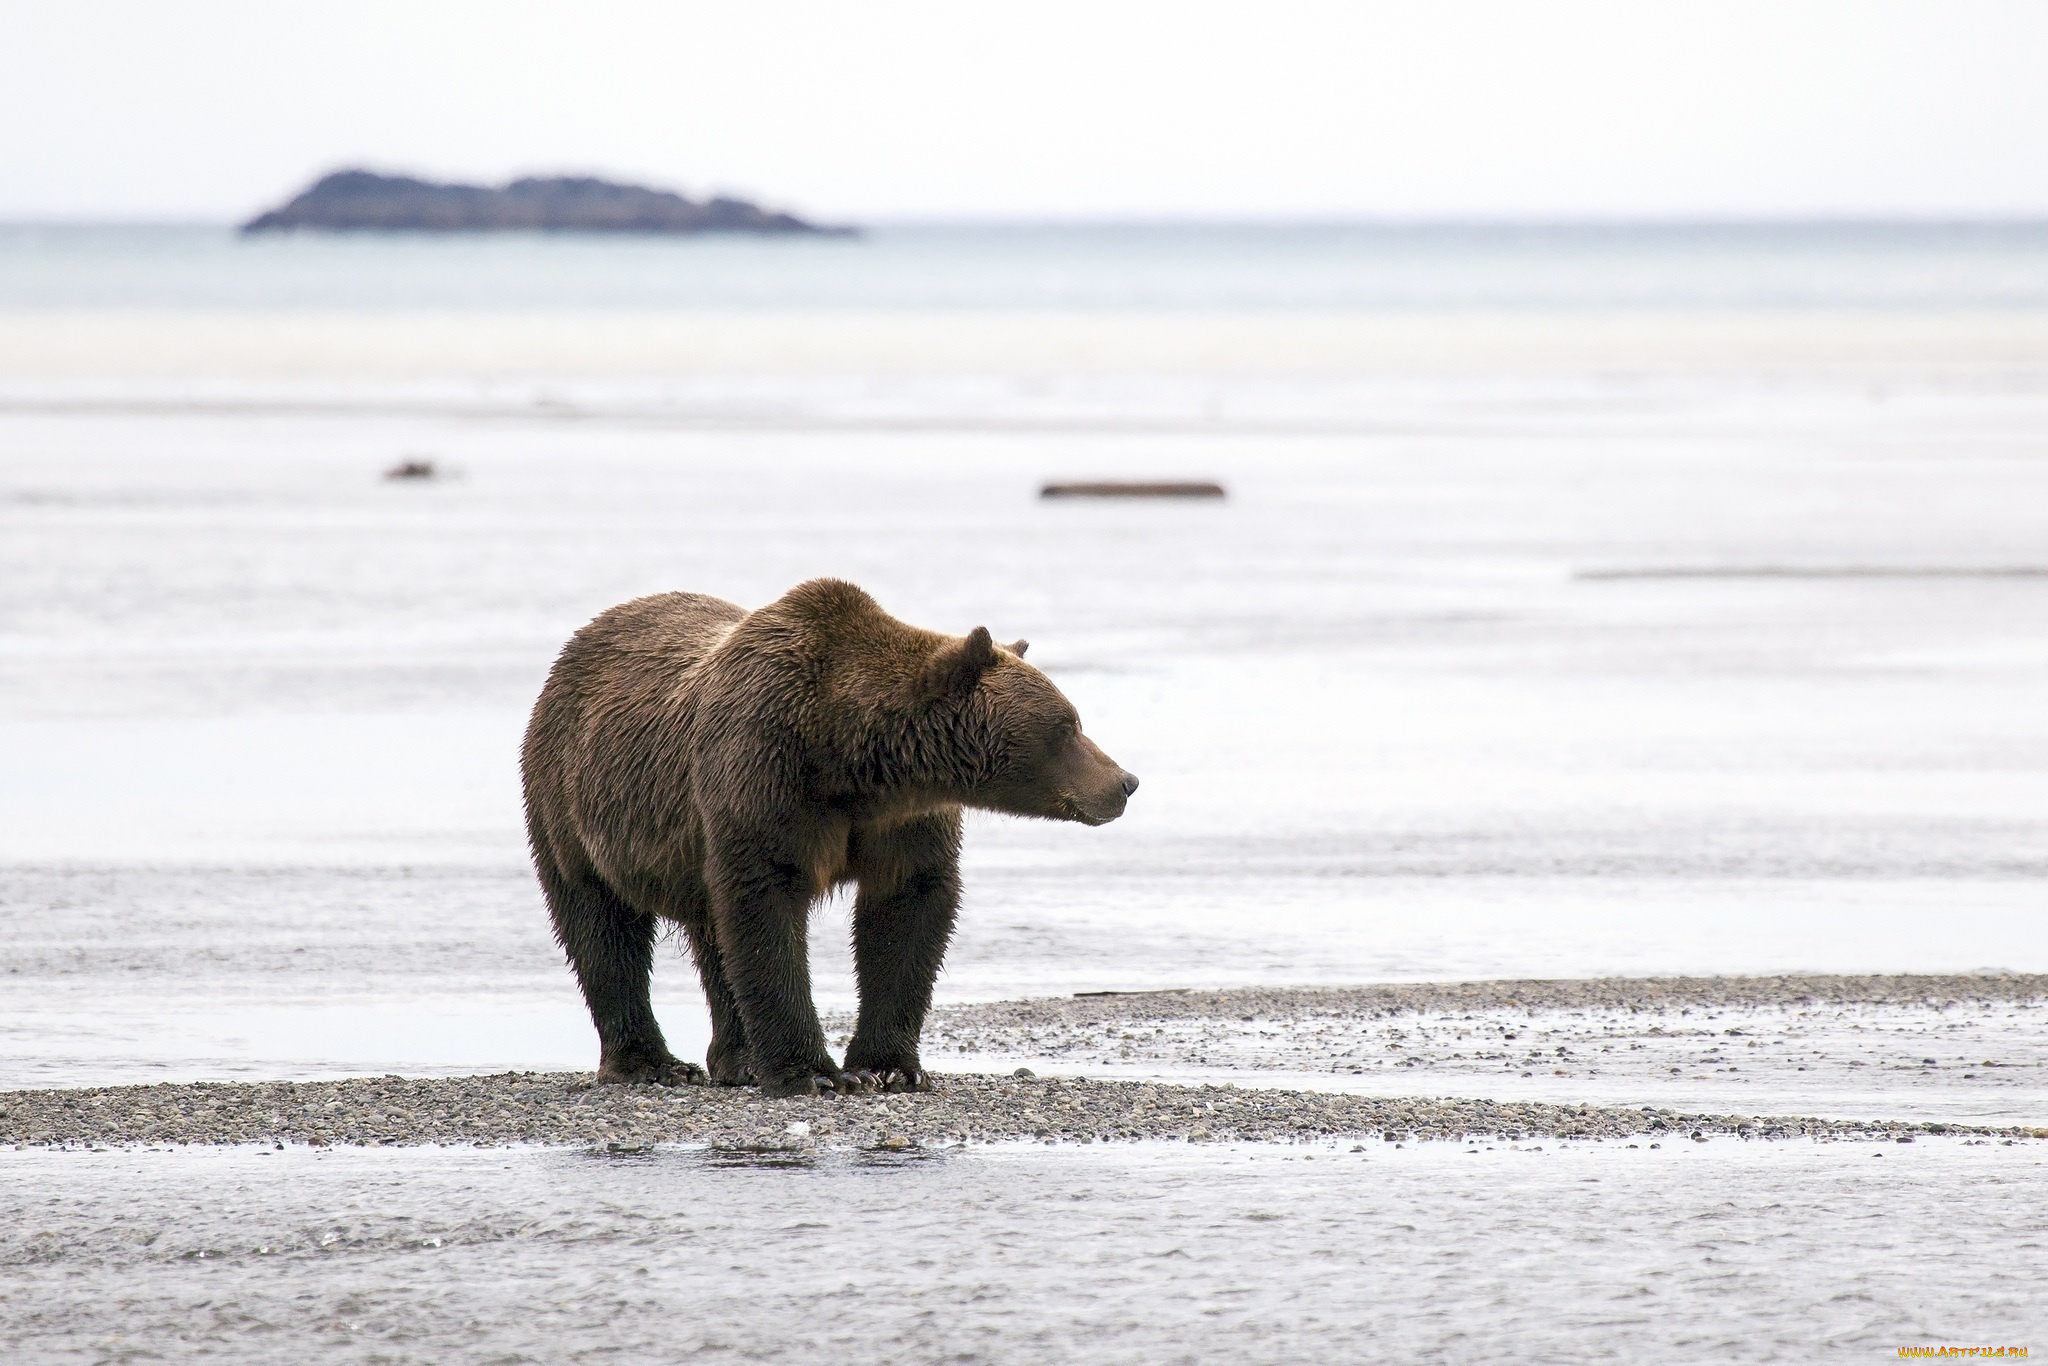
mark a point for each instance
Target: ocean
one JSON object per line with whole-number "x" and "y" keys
{"x": 1314, "y": 267}
{"x": 1587, "y": 600}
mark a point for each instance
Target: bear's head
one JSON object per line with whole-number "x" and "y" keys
{"x": 1024, "y": 752}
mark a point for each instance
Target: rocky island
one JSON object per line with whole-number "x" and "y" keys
{"x": 364, "y": 201}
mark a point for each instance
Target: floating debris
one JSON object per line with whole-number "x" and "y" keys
{"x": 413, "y": 467}
{"x": 1157, "y": 488}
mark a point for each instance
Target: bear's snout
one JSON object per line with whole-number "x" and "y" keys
{"x": 1105, "y": 798}
{"x": 1086, "y": 786}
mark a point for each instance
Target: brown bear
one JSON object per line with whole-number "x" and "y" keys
{"x": 692, "y": 762}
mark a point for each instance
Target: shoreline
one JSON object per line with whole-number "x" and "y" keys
{"x": 969, "y": 1108}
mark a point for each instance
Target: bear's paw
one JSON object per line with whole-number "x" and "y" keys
{"x": 653, "y": 1072}
{"x": 816, "y": 1081}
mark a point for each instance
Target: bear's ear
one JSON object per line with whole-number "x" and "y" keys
{"x": 1018, "y": 647}
{"x": 957, "y": 667}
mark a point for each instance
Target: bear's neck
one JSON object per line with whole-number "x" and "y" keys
{"x": 925, "y": 757}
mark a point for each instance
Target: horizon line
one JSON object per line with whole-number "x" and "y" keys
{"x": 2037, "y": 219}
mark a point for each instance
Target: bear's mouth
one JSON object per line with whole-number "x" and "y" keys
{"x": 1073, "y": 810}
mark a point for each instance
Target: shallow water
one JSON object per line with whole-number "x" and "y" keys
{"x": 1720, "y": 1251}
{"x": 262, "y": 709}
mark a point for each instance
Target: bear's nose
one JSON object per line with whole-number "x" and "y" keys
{"x": 1130, "y": 783}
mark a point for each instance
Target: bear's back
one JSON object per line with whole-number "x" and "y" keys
{"x": 618, "y": 695}
{"x": 646, "y": 646}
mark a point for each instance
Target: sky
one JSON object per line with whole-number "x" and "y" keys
{"x": 141, "y": 110}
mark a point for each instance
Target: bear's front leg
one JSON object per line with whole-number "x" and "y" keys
{"x": 902, "y": 919}
{"x": 760, "y": 908}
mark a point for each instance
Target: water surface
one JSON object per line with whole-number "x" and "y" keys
{"x": 1194, "y": 266}
{"x": 1721, "y": 1251}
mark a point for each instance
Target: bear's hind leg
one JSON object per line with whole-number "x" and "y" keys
{"x": 902, "y": 919}
{"x": 610, "y": 944}
{"x": 727, "y": 1057}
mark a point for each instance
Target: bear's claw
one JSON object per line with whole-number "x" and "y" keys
{"x": 818, "y": 1082}
{"x": 728, "y": 1070}
{"x": 673, "y": 1072}
{"x": 900, "y": 1079}
{"x": 895, "y": 1077}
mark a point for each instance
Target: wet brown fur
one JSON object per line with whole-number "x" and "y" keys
{"x": 692, "y": 762}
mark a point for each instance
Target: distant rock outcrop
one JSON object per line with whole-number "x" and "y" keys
{"x": 357, "y": 201}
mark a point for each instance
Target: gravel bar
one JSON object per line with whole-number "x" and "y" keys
{"x": 570, "y": 1109}
{"x": 1665, "y": 994}
{"x": 1972, "y": 1049}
